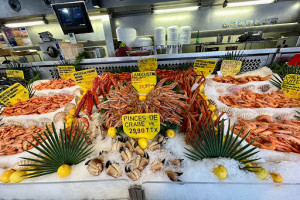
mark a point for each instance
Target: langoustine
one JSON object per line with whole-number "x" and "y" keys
{"x": 38, "y": 105}
{"x": 240, "y": 80}
{"x": 55, "y": 84}
{"x": 247, "y": 99}
{"x": 278, "y": 136}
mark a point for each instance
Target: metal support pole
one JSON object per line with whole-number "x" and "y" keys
{"x": 108, "y": 36}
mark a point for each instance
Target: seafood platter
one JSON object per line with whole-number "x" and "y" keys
{"x": 210, "y": 129}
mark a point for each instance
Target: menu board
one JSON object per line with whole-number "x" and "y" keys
{"x": 17, "y": 36}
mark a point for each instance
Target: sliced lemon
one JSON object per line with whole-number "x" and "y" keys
{"x": 277, "y": 178}
{"x": 64, "y": 171}
{"x": 6, "y": 175}
{"x": 17, "y": 177}
{"x": 261, "y": 173}
{"x": 112, "y": 132}
{"x": 143, "y": 143}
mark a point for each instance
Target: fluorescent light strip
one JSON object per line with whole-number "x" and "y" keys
{"x": 102, "y": 17}
{"x": 24, "y": 24}
{"x": 248, "y": 3}
{"x": 176, "y": 9}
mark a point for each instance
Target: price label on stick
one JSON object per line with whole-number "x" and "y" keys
{"x": 65, "y": 72}
{"x": 15, "y": 73}
{"x": 291, "y": 85}
{"x": 205, "y": 66}
{"x": 143, "y": 82}
{"x": 231, "y": 67}
{"x": 13, "y": 94}
{"x": 147, "y": 64}
{"x": 85, "y": 78}
{"x": 141, "y": 125}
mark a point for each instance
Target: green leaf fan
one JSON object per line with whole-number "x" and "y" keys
{"x": 209, "y": 143}
{"x": 56, "y": 150}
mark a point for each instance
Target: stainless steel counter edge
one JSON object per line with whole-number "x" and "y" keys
{"x": 162, "y": 57}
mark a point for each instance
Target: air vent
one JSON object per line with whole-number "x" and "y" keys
{"x": 15, "y": 5}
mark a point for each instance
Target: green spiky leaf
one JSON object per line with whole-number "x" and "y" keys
{"x": 58, "y": 149}
{"x": 209, "y": 143}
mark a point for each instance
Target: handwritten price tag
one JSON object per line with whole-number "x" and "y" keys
{"x": 13, "y": 94}
{"x": 231, "y": 67}
{"x": 65, "y": 72}
{"x": 205, "y": 66}
{"x": 291, "y": 85}
{"x": 141, "y": 125}
{"x": 15, "y": 73}
{"x": 147, "y": 64}
{"x": 143, "y": 82}
{"x": 85, "y": 78}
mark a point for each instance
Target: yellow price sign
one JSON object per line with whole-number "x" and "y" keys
{"x": 231, "y": 67}
{"x": 143, "y": 82}
{"x": 291, "y": 86}
{"x": 65, "y": 72}
{"x": 85, "y": 78}
{"x": 205, "y": 66}
{"x": 147, "y": 64}
{"x": 13, "y": 94}
{"x": 141, "y": 125}
{"x": 15, "y": 73}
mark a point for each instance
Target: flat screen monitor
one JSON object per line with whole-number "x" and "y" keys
{"x": 73, "y": 17}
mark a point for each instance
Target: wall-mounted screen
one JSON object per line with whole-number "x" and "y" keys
{"x": 73, "y": 17}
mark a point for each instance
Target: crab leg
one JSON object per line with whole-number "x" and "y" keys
{"x": 90, "y": 103}
{"x": 82, "y": 102}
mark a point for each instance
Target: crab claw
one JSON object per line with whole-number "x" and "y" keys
{"x": 117, "y": 143}
{"x": 142, "y": 162}
{"x": 81, "y": 103}
{"x": 157, "y": 165}
{"x": 176, "y": 162}
{"x": 173, "y": 176}
{"x": 133, "y": 174}
{"x": 137, "y": 149}
{"x": 95, "y": 166}
{"x": 96, "y": 82}
{"x": 113, "y": 169}
{"x": 129, "y": 143}
{"x": 126, "y": 155}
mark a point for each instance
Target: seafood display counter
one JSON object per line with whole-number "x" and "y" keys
{"x": 171, "y": 133}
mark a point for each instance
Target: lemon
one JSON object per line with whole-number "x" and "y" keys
{"x": 69, "y": 117}
{"x": 277, "y": 178}
{"x": 81, "y": 96}
{"x": 68, "y": 125}
{"x": 201, "y": 88}
{"x": 64, "y": 171}
{"x": 72, "y": 112}
{"x": 212, "y": 108}
{"x": 170, "y": 133}
{"x": 142, "y": 97}
{"x": 6, "y": 175}
{"x": 143, "y": 143}
{"x": 69, "y": 121}
{"x": 207, "y": 102}
{"x": 205, "y": 97}
{"x": 214, "y": 117}
{"x": 17, "y": 177}
{"x": 248, "y": 165}
{"x": 261, "y": 173}
{"x": 112, "y": 132}
{"x": 220, "y": 172}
